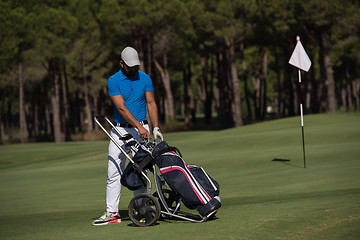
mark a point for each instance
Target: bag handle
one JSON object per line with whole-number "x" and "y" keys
{"x": 169, "y": 149}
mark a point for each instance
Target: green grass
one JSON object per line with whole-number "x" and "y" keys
{"x": 52, "y": 191}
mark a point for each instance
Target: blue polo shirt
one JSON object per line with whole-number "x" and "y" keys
{"x": 133, "y": 91}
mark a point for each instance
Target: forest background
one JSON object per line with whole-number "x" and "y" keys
{"x": 214, "y": 64}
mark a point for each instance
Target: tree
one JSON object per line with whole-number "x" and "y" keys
{"x": 162, "y": 67}
{"x": 228, "y": 35}
{"x": 19, "y": 37}
{"x": 55, "y": 22}
{"x": 228, "y": 54}
{"x": 162, "y": 48}
{"x": 88, "y": 54}
{"x": 325, "y": 20}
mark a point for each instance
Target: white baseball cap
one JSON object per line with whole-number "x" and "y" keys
{"x": 130, "y": 56}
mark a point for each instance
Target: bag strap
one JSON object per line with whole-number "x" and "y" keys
{"x": 175, "y": 149}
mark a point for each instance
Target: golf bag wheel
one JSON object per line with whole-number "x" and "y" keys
{"x": 171, "y": 199}
{"x": 144, "y": 210}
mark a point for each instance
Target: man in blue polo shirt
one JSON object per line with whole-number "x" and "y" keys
{"x": 132, "y": 93}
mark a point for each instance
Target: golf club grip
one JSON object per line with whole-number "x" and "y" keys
{"x": 126, "y": 137}
{"x": 99, "y": 116}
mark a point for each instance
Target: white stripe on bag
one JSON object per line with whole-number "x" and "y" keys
{"x": 197, "y": 184}
{"x": 194, "y": 184}
{"x": 212, "y": 184}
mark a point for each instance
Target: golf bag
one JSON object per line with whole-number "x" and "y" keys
{"x": 194, "y": 186}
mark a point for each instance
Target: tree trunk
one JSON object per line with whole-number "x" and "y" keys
{"x": 234, "y": 83}
{"x": 356, "y": 92}
{"x": 78, "y": 107}
{"x": 23, "y": 129}
{"x": 288, "y": 87}
{"x": 139, "y": 48}
{"x": 48, "y": 118}
{"x": 330, "y": 85}
{"x": 225, "y": 95}
{"x": 191, "y": 95}
{"x": 349, "y": 90}
{"x": 55, "y": 102}
{"x": 1, "y": 128}
{"x": 314, "y": 99}
{"x": 343, "y": 98}
{"x": 186, "y": 98}
{"x": 322, "y": 98}
{"x": 168, "y": 100}
{"x": 245, "y": 76}
{"x": 29, "y": 114}
{"x": 308, "y": 95}
{"x": 257, "y": 80}
{"x": 264, "y": 85}
{"x": 87, "y": 100}
{"x": 189, "y": 106}
{"x": 36, "y": 121}
{"x": 96, "y": 108}
{"x": 148, "y": 57}
{"x": 329, "y": 73}
{"x": 210, "y": 94}
{"x": 208, "y": 88}
{"x": 296, "y": 96}
{"x": 65, "y": 116}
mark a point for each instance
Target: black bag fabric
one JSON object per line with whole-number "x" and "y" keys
{"x": 195, "y": 187}
{"x": 205, "y": 180}
{"x": 131, "y": 178}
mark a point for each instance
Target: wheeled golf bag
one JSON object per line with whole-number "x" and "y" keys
{"x": 194, "y": 186}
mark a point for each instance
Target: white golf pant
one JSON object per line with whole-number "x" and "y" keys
{"x": 116, "y": 166}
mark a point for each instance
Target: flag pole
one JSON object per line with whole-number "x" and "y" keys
{"x": 301, "y": 111}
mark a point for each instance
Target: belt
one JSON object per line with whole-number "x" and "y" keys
{"x": 128, "y": 125}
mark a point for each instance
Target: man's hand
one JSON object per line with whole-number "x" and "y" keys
{"x": 157, "y": 133}
{"x": 144, "y": 134}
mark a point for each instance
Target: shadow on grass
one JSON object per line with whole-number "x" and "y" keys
{"x": 162, "y": 218}
{"x": 124, "y": 215}
{"x": 286, "y": 162}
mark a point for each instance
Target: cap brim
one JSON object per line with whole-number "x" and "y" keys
{"x": 132, "y": 63}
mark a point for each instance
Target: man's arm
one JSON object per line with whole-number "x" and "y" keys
{"x": 153, "y": 112}
{"x": 152, "y": 108}
{"x": 119, "y": 102}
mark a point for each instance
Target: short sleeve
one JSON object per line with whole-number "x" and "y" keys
{"x": 113, "y": 87}
{"x": 148, "y": 84}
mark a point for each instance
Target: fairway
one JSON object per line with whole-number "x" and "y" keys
{"x": 53, "y": 191}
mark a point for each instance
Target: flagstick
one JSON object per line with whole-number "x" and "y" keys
{"x": 301, "y": 60}
{"x": 302, "y": 130}
{"x": 302, "y": 117}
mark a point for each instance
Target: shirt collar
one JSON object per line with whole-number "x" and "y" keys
{"x": 136, "y": 77}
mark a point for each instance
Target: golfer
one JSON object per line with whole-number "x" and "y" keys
{"x": 132, "y": 94}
